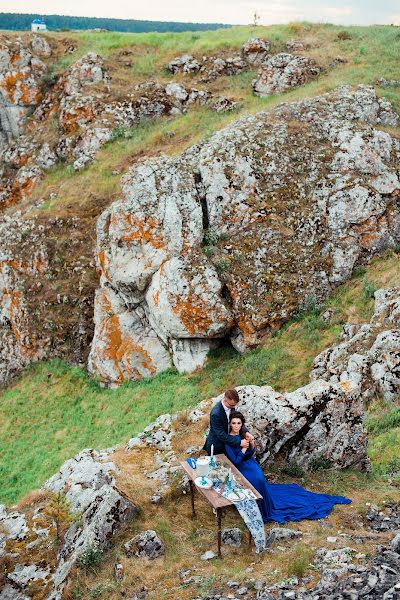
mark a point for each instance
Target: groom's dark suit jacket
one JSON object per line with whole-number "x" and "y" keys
{"x": 218, "y": 434}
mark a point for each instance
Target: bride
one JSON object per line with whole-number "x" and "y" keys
{"x": 280, "y": 502}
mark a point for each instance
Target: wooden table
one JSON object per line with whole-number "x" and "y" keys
{"x": 218, "y": 503}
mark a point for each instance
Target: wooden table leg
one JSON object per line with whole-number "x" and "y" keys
{"x": 191, "y": 485}
{"x": 219, "y": 532}
{"x": 250, "y": 538}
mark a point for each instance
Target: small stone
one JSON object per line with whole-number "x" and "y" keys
{"x": 119, "y": 571}
{"x": 232, "y": 537}
{"x": 278, "y": 534}
{"x": 331, "y": 540}
{"x": 146, "y": 544}
{"x": 184, "y": 573}
{"x": 209, "y": 555}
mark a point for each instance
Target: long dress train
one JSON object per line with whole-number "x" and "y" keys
{"x": 282, "y": 502}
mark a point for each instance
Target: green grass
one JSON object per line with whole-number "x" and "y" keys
{"x": 384, "y": 422}
{"x": 54, "y": 410}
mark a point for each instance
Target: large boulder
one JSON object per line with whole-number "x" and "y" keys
{"x": 317, "y": 421}
{"x": 367, "y": 362}
{"x": 88, "y": 483}
{"x": 237, "y": 234}
{"x": 284, "y": 71}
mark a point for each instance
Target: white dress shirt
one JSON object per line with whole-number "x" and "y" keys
{"x": 228, "y": 413}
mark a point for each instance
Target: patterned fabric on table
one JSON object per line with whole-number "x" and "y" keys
{"x": 250, "y": 513}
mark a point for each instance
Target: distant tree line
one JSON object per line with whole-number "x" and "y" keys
{"x": 22, "y": 21}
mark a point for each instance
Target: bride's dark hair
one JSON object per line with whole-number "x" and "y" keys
{"x": 235, "y": 414}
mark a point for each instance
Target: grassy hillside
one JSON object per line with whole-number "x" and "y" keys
{"x": 370, "y": 52}
{"x": 54, "y": 410}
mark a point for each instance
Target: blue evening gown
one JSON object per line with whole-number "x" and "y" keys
{"x": 282, "y": 502}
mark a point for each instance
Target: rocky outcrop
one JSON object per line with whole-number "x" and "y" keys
{"x": 87, "y": 111}
{"x": 255, "y": 51}
{"x": 85, "y": 488}
{"x": 226, "y": 241}
{"x": 234, "y": 236}
{"x": 45, "y": 291}
{"x": 318, "y": 421}
{"x": 367, "y": 362}
{"x": 297, "y": 45}
{"x": 21, "y": 70}
{"x": 209, "y": 68}
{"x": 282, "y": 72}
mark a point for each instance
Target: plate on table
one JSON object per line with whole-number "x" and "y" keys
{"x": 236, "y": 496}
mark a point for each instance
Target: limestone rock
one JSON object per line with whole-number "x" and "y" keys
{"x": 184, "y": 300}
{"x": 20, "y": 88}
{"x": 209, "y": 555}
{"x": 41, "y": 46}
{"x": 297, "y": 45}
{"x": 368, "y": 361}
{"x": 46, "y": 157}
{"x": 214, "y": 67}
{"x": 255, "y": 50}
{"x": 317, "y": 420}
{"x": 89, "y": 485}
{"x": 280, "y": 534}
{"x": 283, "y": 71}
{"x": 81, "y": 477}
{"x": 224, "y": 104}
{"x": 232, "y": 537}
{"x": 146, "y": 544}
{"x": 23, "y": 575}
{"x": 124, "y": 346}
{"x": 185, "y": 63}
{"x": 10, "y": 593}
{"x": 158, "y": 218}
{"x": 13, "y": 524}
{"x": 177, "y": 91}
{"x": 87, "y": 71}
{"x": 395, "y": 544}
{"x": 209, "y": 246}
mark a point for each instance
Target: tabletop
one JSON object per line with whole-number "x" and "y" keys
{"x": 211, "y": 495}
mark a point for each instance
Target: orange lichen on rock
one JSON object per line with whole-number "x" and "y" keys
{"x": 104, "y": 264}
{"x": 72, "y": 120}
{"x": 145, "y": 231}
{"x": 194, "y": 315}
{"x": 119, "y": 348}
{"x": 18, "y": 91}
{"x": 20, "y": 190}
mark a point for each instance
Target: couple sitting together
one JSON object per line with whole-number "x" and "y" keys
{"x": 280, "y": 502}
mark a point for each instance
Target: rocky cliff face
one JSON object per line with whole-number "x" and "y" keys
{"x": 367, "y": 362}
{"x": 236, "y": 235}
{"x": 226, "y": 241}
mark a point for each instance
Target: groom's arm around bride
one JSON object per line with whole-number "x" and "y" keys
{"x": 218, "y": 435}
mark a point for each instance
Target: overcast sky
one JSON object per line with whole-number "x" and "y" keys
{"x": 363, "y": 12}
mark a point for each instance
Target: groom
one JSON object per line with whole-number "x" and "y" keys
{"x": 219, "y": 426}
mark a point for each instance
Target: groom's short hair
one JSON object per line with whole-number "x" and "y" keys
{"x": 232, "y": 395}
